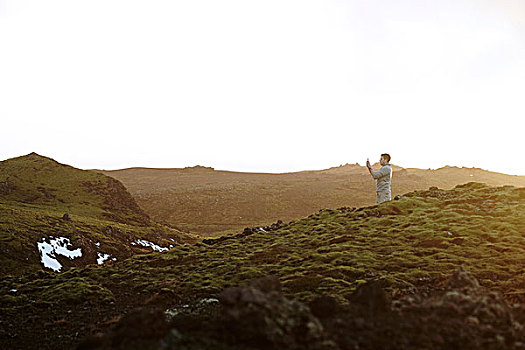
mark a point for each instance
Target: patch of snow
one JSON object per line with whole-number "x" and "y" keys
{"x": 101, "y": 257}
{"x": 62, "y": 244}
{"x": 261, "y": 229}
{"x": 47, "y": 256}
{"x": 170, "y": 313}
{"x": 97, "y": 244}
{"x": 471, "y": 175}
{"x": 170, "y": 246}
{"x": 145, "y": 243}
{"x": 114, "y": 259}
{"x": 208, "y": 301}
{"x": 56, "y": 246}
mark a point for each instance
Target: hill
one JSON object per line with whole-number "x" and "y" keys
{"x": 56, "y": 216}
{"x": 409, "y": 247}
{"x": 38, "y": 180}
{"x": 213, "y": 203}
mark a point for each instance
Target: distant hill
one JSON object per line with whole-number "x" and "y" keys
{"x": 213, "y": 202}
{"x": 57, "y": 216}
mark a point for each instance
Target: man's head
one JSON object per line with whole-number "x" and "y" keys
{"x": 385, "y": 159}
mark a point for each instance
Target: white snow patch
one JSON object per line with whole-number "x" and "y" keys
{"x": 56, "y": 246}
{"x": 114, "y": 259}
{"x": 97, "y": 244}
{"x": 145, "y": 243}
{"x": 208, "y": 301}
{"x": 101, "y": 257}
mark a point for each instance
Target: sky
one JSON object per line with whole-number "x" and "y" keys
{"x": 264, "y": 86}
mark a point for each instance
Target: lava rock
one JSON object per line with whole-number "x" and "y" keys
{"x": 324, "y": 307}
{"x": 462, "y": 279}
{"x": 265, "y": 319}
{"x": 371, "y": 298}
{"x": 461, "y": 315}
{"x": 140, "y": 329}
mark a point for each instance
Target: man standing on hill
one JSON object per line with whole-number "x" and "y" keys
{"x": 383, "y": 177}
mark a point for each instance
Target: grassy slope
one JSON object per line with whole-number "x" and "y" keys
{"x": 218, "y": 202}
{"x": 407, "y": 243}
{"x": 38, "y": 180}
{"x": 404, "y": 243}
{"x": 36, "y": 191}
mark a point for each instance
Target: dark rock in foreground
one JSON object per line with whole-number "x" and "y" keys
{"x": 463, "y": 316}
{"x": 260, "y": 317}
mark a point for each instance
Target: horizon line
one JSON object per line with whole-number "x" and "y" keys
{"x": 356, "y": 164}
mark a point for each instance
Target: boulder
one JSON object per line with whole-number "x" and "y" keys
{"x": 462, "y": 279}
{"x": 370, "y": 298}
{"x": 137, "y": 330}
{"x": 264, "y": 319}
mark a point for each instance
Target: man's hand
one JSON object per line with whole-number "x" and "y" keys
{"x": 369, "y": 167}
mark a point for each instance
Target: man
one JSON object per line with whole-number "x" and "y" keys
{"x": 382, "y": 177}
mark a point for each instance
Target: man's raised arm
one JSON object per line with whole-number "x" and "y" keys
{"x": 382, "y": 172}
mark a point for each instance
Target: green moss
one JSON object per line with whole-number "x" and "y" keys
{"x": 303, "y": 283}
{"x": 403, "y": 244}
{"x": 76, "y": 290}
{"x": 7, "y": 299}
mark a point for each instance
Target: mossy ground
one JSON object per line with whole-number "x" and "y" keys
{"x": 414, "y": 242}
{"x": 404, "y": 243}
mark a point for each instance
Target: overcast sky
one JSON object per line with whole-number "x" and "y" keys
{"x": 268, "y": 86}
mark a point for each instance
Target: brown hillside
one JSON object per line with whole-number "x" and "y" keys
{"x": 213, "y": 202}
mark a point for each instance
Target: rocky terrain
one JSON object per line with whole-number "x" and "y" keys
{"x": 460, "y": 315}
{"x": 436, "y": 269}
{"x": 214, "y": 203}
